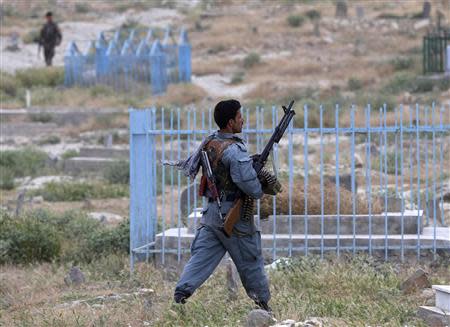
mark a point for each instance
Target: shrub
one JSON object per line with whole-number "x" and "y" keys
{"x": 402, "y": 63}
{"x": 354, "y": 84}
{"x": 31, "y": 37}
{"x": 6, "y": 178}
{"x": 118, "y": 173}
{"x": 251, "y": 60}
{"x": 69, "y": 237}
{"x": 423, "y": 85}
{"x": 295, "y": 20}
{"x": 82, "y": 8}
{"x": 100, "y": 89}
{"x": 51, "y": 139}
{"x": 400, "y": 83}
{"x": 26, "y": 240}
{"x": 444, "y": 84}
{"x": 67, "y": 191}
{"x": 237, "y": 78}
{"x": 26, "y": 162}
{"x": 69, "y": 154}
{"x": 41, "y": 117}
{"x": 48, "y": 76}
{"x": 313, "y": 14}
{"x": 9, "y": 85}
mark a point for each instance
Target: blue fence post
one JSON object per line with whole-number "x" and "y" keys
{"x": 158, "y": 68}
{"x": 184, "y": 57}
{"x": 141, "y": 227}
{"x": 100, "y": 56}
{"x": 72, "y": 65}
{"x": 125, "y": 62}
{"x": 111, "y": 62}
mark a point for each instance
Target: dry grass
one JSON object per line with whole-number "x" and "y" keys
{"x": 314, "y": 200}
{"x": 30, "y": 295}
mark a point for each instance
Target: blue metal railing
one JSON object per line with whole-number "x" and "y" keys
{"x": 160, "y": 225}
{"x": 130, "y": 63}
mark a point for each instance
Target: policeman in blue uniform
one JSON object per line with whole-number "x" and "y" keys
{"x": 233, "y": 171}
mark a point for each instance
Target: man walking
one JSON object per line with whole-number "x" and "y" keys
{"x": 50, "y": 37}
{"x": 233, "y": 170}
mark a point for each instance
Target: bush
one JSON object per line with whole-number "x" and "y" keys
{"x": 51, "y": 139}
{"x": 69, "y": 237}
{"x": 69, "y": 154}
{"x": 41, "y": 117}
{"x": 66, "y": 191}
{"x": 313, "y": 14}
{"x": 401, "y": 82}
{"x": 21, "y": 163}
{"x": 237, "y": 78}
{"x": 354, "y": 84}
{"x": 82, "y": 8}
{"x": 402, "y": 63}
{"x": 6, "y": 179}
{"x": 27, "y": 240}
{"x": 295, "y": 20}
{"x": 9, "y": 85}
{"x": 251, "y": 60}
{"x": 118, "y": 173}
{"x": 423, "y": 85}
{"x": 31, "y": 37}
{"x": 48, "y": 76}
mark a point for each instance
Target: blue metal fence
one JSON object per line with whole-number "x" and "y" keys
{"x": 397, "y": 164}
{"x": 131, "y": 62}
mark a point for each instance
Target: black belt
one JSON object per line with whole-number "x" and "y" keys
{"x": 229, "y": 197}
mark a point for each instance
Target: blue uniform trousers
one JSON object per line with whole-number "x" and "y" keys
{"x": 207, "y": 250}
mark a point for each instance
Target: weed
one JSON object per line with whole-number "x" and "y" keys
{"x": 66, "y": 191}
{"x": 82, "y": 8}
{"x": 49, "y": 76}
{"x": 51, "y": 139}
{"x": 69, "y": 154}
{"x": 402, "y": 63}
{"x": 295, "y": 20}
{"x": 24, "y": 162}
{"x": 354, "y": 84}
{"x": 118, "y": 173}
{"x": 41, "y": 117}
{"x": 237, "y": 78}
{"x": 31, "y": 37}
{"x": 251, "y": 60}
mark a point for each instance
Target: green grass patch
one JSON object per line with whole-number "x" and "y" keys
{"x": 20, "y": 163}
{"x": 68, "y": 237}
{"x": 295, "y": 20}
{"x": 78, "y": 191}
{"x": 252, "y": 59}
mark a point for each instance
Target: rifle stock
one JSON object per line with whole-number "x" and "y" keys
{"x": 232, "y": 217}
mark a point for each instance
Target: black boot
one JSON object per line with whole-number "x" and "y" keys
{"x": 180, "y": 297}
{"x": 263, "y": 305}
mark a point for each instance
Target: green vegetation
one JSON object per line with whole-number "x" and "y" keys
{"x": 69, "y": 154}
{"x": 82, "y": 8}
{"x": 68, "y": 191}
{"x": 51, "y": 139}
{"x": 251, "y": 60}
{"x": 20, "y": 163}
{"x": 402, "y": 63}
{"x": 237, "y": 78}
{"x": 354, "y": 84}
{"x": 68, "y": 237}
{"x": 118, "y": 173}
{"x": 31, "y": 37}
{"x": 295, "y": 20}
{"x": 41, "y": 117}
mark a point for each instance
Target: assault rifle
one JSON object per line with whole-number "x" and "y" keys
{"x": 258, "y": 163}
{"x": 211, "y": 181}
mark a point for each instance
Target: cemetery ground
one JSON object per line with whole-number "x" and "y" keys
{"x": 261, "y": 54}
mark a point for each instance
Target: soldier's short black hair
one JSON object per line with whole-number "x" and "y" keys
{"x": 49, "y": 14}
{"x": 226, "y": 110}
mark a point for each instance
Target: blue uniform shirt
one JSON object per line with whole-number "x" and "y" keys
{"x": 240, "y": 165}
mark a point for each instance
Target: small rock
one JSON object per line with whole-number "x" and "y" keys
{"x": 422, "y": 24}
{"x": 74, "y": 277}
{"x": 418, "y": 280}
{"x": 259, "y": 318}
{"x": 105, "y": 217}
{"x": 38, "y": 199}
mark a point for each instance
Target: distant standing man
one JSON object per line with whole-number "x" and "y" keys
{"x": 233, "y": 170}
{"x": 50, "y": 37}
